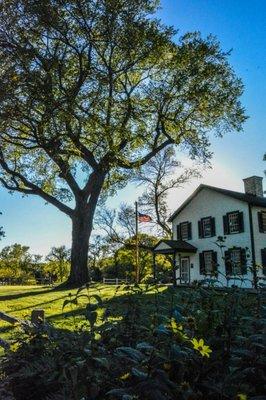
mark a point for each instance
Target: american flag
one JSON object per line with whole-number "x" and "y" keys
{"x": 144, "y": 217}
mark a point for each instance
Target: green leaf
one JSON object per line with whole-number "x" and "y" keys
{"x": 91, "y": 316}
{"x": 97, "y": 298}
{"x": 130, "y": 353}
{"x": 119, "y": 393}
{"x": 102, "y": 362}
{"x": 138, "y": 373}
{"x": 144, "y": 346}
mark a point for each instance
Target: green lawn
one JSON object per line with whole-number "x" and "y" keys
{"x": 19, "y": 301}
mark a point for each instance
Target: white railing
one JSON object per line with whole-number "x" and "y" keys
{"x": 114, "y": 281}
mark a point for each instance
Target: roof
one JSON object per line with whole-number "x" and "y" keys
{"x": 248, "y": 198}
{"x": 175, "y": 245}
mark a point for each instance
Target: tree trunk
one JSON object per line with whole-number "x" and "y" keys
{"x": 82, "y": 222}
{"x": 81, "y": 231}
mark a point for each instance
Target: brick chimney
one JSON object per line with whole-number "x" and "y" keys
{"x": 253, "y": 185}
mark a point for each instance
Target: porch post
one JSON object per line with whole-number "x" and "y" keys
{"x": 174, "y": 269}
{"x": 154, "y": 266}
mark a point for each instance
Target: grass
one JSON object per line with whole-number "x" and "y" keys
{"x": 19, "y": 301}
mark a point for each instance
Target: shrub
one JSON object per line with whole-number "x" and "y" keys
{"x": 200, "y": 343}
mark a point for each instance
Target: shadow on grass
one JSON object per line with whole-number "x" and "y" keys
{"x": 32, "y": 306}
{"x": 15, "y": 296}
{"x": 116, "y": 307}
{"x": 119, "y": 305}
{"x": 31, "y": 293}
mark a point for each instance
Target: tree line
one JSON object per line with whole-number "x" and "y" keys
{"x": 19, "y": 265}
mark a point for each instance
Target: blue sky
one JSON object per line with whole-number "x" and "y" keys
{"x": 240, "y": 26}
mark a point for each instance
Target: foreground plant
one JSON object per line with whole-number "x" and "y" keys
{"x": 126, "y": 358}
{"x": 201, "y": 347}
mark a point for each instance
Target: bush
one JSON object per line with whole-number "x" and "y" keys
{"x": 202, "y": 343}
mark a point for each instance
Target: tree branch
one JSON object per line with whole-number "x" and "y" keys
{"x": 145, "y": 159}
{"x": 32, "y": 188}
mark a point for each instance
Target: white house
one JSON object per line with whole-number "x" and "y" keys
{"x": 212, "y": 212}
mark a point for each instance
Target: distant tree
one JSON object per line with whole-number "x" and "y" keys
{"x": 99, "y": 249}
{"x": 122, "y": 263}
{"x": 59, "y": 259}
{"x": 91, "y": 91}
{"x": 17, "y": 262}
{"x": 119, "y": 226}
{"x": 159, "y": 176}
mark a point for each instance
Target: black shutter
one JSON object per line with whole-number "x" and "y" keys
{"x": 202, "y": 264}
{"x": 243, "y": 262}
{"x": 178, "y": 232}
{"x": 226, "y": 225}
{"x": 200, "y": 229}
{"x": 263, "y": 260}
{"x": 213, "y": 227}
{"x": 214, "y": 261}
{"x": 189, "y": 230}
{"x": 241, "y": 221}
{"x": 228, "y": 264}
{"x": 260, "y": 222}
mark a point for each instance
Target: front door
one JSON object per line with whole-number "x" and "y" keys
{"x": 184, "y": 270}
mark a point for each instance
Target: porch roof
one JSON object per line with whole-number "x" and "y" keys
{"x": 166, "y": 246}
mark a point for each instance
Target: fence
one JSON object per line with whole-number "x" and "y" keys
{"x": 37, "y": 318}
{"x": 17, "y": 282}
{"x": 11, "y": 281}
{"x": 114, "y": 281}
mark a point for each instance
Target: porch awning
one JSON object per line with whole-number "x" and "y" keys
{"x": 165, "y": 246}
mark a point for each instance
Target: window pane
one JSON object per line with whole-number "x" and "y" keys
{"x": 206, "y": 227}
{"x": 184, "y": 230}
{"x": 233, "y": 220}
{"x": 236, "y": 261}
{"x": 208, "y": 262}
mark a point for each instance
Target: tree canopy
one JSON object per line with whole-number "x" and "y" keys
{"x": 58, "y": 261}
{"x": 92, "y": 90}
{"x": 17, "y": 262}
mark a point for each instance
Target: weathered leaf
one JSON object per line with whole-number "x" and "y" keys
{"x": 144, "y": 346}
{"x": 102, "y": 361}
{"x": 129, "y": 352}
{"x": 138, "y": 373}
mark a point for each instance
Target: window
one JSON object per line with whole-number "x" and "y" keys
{"x": 208, "y": 262}
{"x": 184, "y": 231}
{"x": 262, "y": 221}
{"x": 233, "y": 222}
{"x": 263, "y": 261}
{"x": 206, "y": 227}
{"x": 235, "y": 261}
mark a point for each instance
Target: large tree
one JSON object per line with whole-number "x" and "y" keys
{"x": 91, "y": 90}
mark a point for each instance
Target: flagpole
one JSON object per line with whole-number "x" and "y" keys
{"x": 137, "y": 241}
